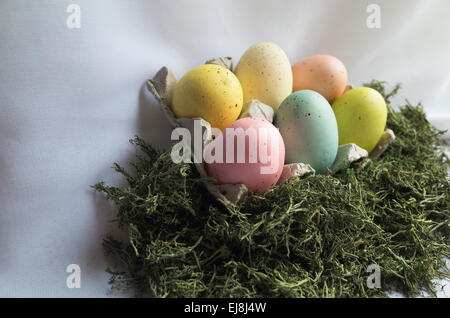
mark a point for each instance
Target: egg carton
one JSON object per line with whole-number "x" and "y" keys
{"x": 162, "y": 86}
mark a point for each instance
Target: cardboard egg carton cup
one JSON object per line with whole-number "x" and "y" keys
{"x": 162, "y": 86}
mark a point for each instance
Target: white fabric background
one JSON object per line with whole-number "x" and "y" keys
{"x": 71, "y": 98}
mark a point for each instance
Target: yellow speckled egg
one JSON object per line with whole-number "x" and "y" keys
{"x": 265, "y": 74}
{"x": 211, "y": 92}
{"x": 361, "y": 115}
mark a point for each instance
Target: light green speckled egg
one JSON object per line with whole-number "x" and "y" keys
{"x": 309, "y": 129}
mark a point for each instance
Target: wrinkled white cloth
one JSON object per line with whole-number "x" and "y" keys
{"x": 71, "y": 98}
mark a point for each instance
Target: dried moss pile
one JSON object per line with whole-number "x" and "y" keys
{"x": 312, "y": 237}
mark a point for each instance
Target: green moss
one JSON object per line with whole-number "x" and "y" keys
{"x": 312, "y": 237}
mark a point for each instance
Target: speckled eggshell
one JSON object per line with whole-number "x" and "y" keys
{"x": 324, "y": 74}
{"x": 265, "y": 74}
{"x": 211, "y": 92}
{"x": 249, "y": 173}
{"x": 309, "y": 129}
{"x": 361, "y": 114}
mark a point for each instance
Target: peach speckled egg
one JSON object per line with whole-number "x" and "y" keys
{"x": 250, "y": 151}
{"x": 324, "y": 74}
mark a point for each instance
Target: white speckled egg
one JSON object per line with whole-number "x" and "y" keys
{"x": 265, "y": 74}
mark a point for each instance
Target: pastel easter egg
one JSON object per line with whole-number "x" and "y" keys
{"x": 250, "y": 151}
{"x": 309, "y": 129}
{"x": 324, "y": 74}
{"x": 361, "y": 115}
{"x": 265, "y": 74}
{"x": 211, "y": 92}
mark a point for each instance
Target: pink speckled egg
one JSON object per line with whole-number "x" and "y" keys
{"x": 250, "y": 151}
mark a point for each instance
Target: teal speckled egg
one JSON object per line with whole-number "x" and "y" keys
{"x": 309, "y": 129}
